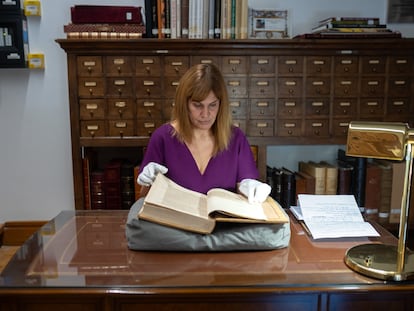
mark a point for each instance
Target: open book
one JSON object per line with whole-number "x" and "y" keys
{"x": 170, "y": 204}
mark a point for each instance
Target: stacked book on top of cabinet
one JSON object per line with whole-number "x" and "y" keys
{"x": 104, "y": 21}
{"x": 351, "y": 27}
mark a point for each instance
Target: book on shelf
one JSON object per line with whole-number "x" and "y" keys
{"x": 372, "y": 191}
{"x": 112, "y": 184}
{"x": 358, "y": 177}
{"x": 104, "y": 31}
{"x": 349, "y": 35}
{"x": 105, "y": 14}
{"x": 217, "y": 19}
{"x": 305, "y": 183}
{"x": 149, "y": 21}
{"x": 86, "y": 183}
{"x": 185, "y": 8}
{"x": 97, "y": 180}
{"x": 275, "y": 180}
{"x": 397, "y": 188}
{"x": 345, "y": 172}
{"x": 161, "y": 18}
{"x": 137, "y": 186}
{"x": 167, "y": 18}
{"x": 331, "y": 177}
{"x": 385, "y": 194}
{"x": 316, "y": 170}
{"x": 288, "y": 195}
{"x": 367, "y": 21}
{"x": 127, "y": 184}
{"x": 170, "y": 204}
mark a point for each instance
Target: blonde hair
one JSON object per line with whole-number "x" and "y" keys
{"x": 195, "y": 85}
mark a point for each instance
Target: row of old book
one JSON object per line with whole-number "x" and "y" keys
{"x": 376, "y": 184}
{"x": 197, "y": 19}
{"x": 113, "y": 187}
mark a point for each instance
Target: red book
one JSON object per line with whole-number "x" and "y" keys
{"x": 105, "y": 14}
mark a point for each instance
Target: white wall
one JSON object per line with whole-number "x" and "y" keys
{"x": 35, "y": 151}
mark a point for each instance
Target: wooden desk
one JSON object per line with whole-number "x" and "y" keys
{"x": 80, "y": 261}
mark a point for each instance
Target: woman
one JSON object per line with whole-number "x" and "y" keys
{"x": 199, "y": 148}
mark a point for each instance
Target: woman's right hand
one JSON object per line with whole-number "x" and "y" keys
{"x": 150, "y": 171}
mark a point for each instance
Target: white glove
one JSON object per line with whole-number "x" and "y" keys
{"x": 147, "y": 176}
{"x": 254, "y": 190}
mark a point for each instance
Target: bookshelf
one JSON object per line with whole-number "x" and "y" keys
{"x": 283, "y": 92}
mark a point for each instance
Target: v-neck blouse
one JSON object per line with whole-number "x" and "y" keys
{"x": 224, "y": 170}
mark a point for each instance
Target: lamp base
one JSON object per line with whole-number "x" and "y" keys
{"x": 379, "y": 261}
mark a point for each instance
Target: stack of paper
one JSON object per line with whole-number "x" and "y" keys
{"x": 332, "y": 216}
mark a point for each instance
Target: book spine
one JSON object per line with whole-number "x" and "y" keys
{"x": 211, "y": 16}
{"x": 397, "y": 188}
{"x": 127, "y": 185}
{"x": 167, "y": 18}
{"x": 178, "y": 18}
{"x": 233, "y": 16}
{"x": 148, "y": 19}
{"x": 137, "y": 186}
{"x": 86, "y": 183}
{"x": 344, "y": 178}
{"x": 205, "y": 12}
{"x": 372, "y": 192}
{"x": 217, "y": 19}
{"x": 244, "y": 29}
{"x": 97, "y": 190}
{"x": 173, "y": 14}
{"x": 191, "y": 19}
{"x": 185, "y": 8}
{"x": 161, "y": 18}
{"x": 331, "y": 180}
{"x": 154, "y": 14}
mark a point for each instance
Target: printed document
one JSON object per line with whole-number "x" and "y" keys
{"x": 333, "y": 216}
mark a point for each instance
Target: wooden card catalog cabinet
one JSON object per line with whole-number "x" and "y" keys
{"x": 281, "y": 91}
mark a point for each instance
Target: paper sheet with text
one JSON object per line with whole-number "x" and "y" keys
{"x": 333, "y": 216}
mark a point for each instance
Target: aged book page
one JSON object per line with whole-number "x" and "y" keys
{"x": 170, "y": 204}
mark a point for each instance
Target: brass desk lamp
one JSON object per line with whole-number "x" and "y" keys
{"x": 392, "y": 141}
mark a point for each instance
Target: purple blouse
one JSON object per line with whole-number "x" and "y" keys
{"x": 223, "y": 171}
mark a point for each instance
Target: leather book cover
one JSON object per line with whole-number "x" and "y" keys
{"x": 276, "y": 192}
{"x": 127, "y": 185}
{"x": 345, "y": 172}
{"x": 86, "y": 183}
{"x": 105, "y": 14}
{"x": 397, "y": 187}
{"x": 358, "y": 177}
{"x": 137, "y": 186}
{"x": 317, "y": 171}
{"x": 305, "y": 183}
{"x": 372, "y": 191}
{"x": 97, "y": 190}
{"x": 112, "y": 184}
{"x": 120, "y": 28}
{"x": 161, "y": 18}
{"x": 386, "y": 184}
{"x": 331, "y": 177}
{"x": 288, "y": 196}
{"x": 185, "y": 7}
